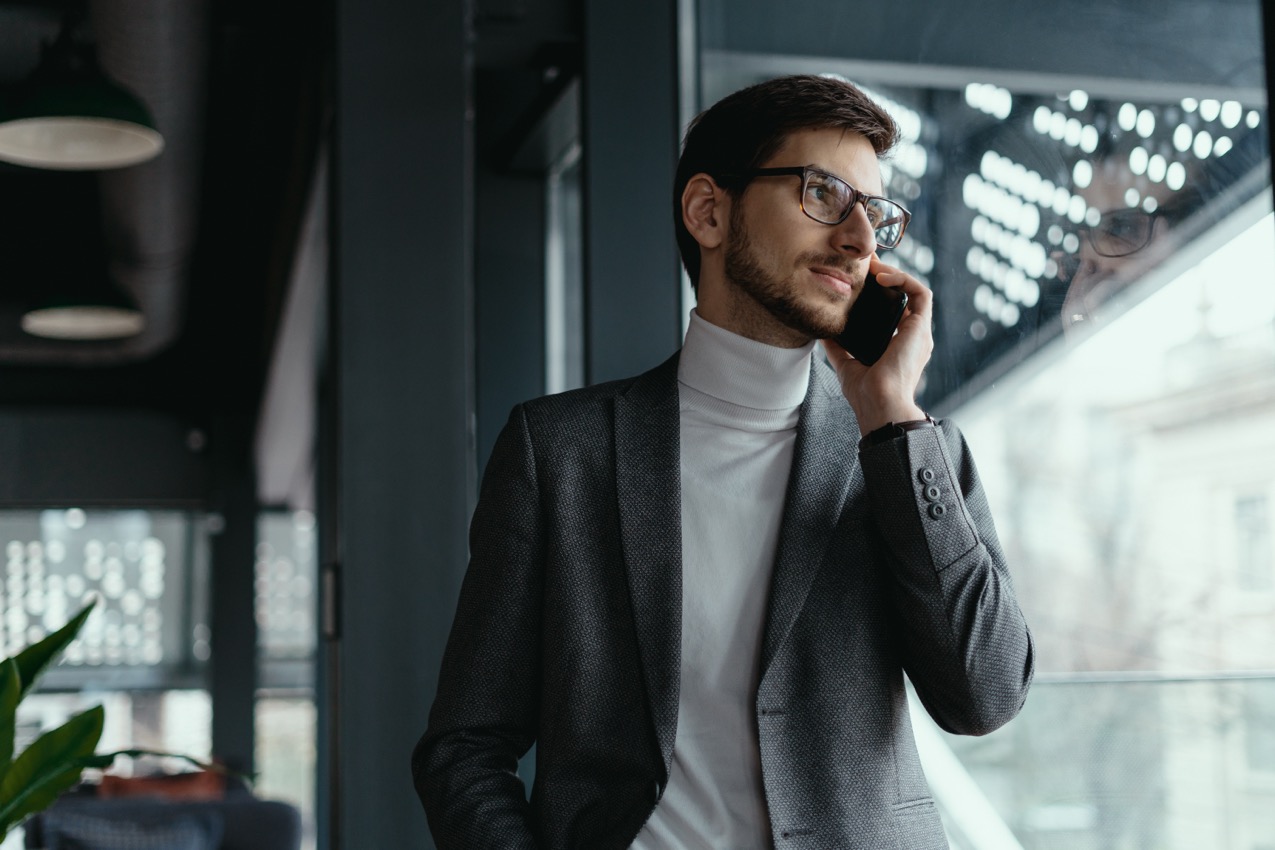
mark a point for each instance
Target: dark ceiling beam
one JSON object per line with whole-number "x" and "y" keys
{"x": 87, "y": 458}
{"x": 1078, "y": 39}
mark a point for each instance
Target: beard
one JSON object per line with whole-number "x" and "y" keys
{"x": 781, "y": 297}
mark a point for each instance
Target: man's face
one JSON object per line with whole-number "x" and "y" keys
{"x": 801, "y": 274}
{"x": 1098, "y": 277}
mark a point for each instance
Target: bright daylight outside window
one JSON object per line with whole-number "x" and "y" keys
{"x": 1095, "y": 221}
{"x": 287, "y": 641}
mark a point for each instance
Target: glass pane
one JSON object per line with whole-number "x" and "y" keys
{"x": 287, "y": 637}
{"x": 147, "y": 569}
{"x": 287, "y": 599}
{"x": 1113, "y": 765}
{"x": 1094, "y": 217}
{"x": 287, "y": 729}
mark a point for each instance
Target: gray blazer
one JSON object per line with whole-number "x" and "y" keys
{"x": 568, "y": 630}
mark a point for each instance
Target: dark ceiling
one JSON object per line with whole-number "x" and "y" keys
{"x": 219, "y": 219}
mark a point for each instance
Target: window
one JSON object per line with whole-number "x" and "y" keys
{"x": 287, "y": 637}
{"x": 147, "y": 569}
{"x": 1094, "y": 217}
{"x": 143, "y": 653}
{"x": 1253, "y": 543}
{"x": 1259, "y": 727}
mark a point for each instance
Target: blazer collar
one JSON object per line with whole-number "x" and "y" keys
{"x": 649, "y": 489}
{"x": 824, "y": 467}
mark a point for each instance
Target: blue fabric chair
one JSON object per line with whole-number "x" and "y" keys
{"x": 245, "y": 822}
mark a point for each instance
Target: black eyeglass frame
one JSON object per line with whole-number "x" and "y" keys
{"x": 857, "y": 197}
{"x": 1150, "y": 217}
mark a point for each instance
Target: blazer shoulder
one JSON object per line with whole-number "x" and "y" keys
{"x": 647, "y": 389}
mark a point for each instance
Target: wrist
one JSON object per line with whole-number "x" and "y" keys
{"x": 876, "y": 419}
{"x": 893, "y": 430}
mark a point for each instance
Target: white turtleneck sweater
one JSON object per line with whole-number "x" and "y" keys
{"x": 739, "y": 405}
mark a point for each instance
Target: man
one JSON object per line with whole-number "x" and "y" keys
{"x": 687, "y": 590}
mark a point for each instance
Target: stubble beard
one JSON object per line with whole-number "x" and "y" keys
{"x": 780, "y": 297}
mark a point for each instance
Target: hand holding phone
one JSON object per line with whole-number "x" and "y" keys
{"x": 872, "y": 321}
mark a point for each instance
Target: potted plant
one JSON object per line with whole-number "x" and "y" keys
{"x": 55, "y": 761}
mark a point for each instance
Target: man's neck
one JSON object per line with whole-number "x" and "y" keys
{"x": 742, "y": 371}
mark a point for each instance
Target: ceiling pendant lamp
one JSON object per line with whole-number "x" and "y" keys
{"x": 68, "y": 115}
{"x": 90, "y": 309}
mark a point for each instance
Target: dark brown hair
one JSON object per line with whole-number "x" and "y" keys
{"x": 743, "y": 130}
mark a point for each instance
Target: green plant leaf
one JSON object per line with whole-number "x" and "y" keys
{"x": 33, "y": 660}
{"x": 49, "y": 767}
{"x": 10, "y": 694}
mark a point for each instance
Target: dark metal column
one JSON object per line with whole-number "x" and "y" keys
{"x": 630, "y": 136}
{"x": 402, "y": 390}
{"x": 233, "y": 675}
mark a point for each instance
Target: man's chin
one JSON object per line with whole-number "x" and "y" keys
{"x": 815, "y": 324}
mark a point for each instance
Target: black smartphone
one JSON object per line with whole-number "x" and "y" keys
{"x": 873, "y": 318}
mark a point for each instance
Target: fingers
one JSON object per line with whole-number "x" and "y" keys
{"x": 920, "y": 298}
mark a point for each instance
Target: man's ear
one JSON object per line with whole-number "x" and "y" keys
{"x": 705, "y": 210}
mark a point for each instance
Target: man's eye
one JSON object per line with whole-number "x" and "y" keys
{"x": 827, "y": 193}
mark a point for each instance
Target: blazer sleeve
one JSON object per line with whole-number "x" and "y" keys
{"x": 485, "y": 713}
{"x": 965, "y": 643}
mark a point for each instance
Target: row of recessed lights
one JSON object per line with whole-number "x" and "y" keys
{"x": 18, "y": 620}
{"x": 1228, "y": 112}
{"x": 1061, "y": 128}
{"x": 1016, "y": 286}
{"x": 149, "y": 549}
{"x": 1026, "y": 255}
{"x": 995, "y": 306}
{"x": 1000, "y": 205}
{"x": 1030, "y": 186}
{"x": 989, "y": 99}
{"x": 914, "y": 253}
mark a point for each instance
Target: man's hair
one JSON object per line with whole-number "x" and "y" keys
{"x": 743, "y": 130}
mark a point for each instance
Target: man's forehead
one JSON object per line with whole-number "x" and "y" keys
{"x": 836, "y": 150}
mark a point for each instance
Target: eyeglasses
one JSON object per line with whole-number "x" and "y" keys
{"x": 1122, "y": 232}
{"x": 1119, "y": 233}
{"x": 828, "y": 199}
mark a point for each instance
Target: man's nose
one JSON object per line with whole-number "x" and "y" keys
{"x": 855, "y": 236}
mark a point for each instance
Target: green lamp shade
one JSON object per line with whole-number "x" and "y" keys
{"x": 80, "y": 125}
{"x": 94, "y": 312}
{"x": 84, "y": 322}
{"x": 69, "y": 115}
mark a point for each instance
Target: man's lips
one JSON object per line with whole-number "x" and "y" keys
{"x": 835, "y": 279}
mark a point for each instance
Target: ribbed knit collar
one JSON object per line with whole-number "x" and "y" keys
{"x": 742, "y": 371}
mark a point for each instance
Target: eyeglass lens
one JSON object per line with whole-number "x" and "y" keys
{"x": 1121, "y": 233}
{"x": 827, "y": 199}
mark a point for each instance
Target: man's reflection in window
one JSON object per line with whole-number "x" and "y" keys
{"x": 1125, "y": 242}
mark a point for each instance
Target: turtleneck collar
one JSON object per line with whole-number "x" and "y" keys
{"x": 742, "y": 371}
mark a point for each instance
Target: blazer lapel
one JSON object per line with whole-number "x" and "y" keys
{"x": 648, "y": 484}
{"x": 823, "y": 465}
